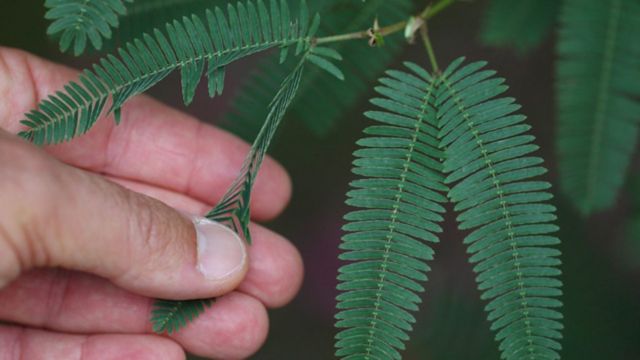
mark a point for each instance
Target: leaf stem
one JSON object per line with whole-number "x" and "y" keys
{"x": 428, "y": 13}
{"x": 424, "y": 33}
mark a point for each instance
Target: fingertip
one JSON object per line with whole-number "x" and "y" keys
{"x": 276, "y": 271}
{"x": 235, "y": 327}
{"x": 274, "y": 187}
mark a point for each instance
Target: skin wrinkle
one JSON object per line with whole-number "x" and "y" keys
{"x": 29, "y": 251}
{"x": 13, "y": 271}
{"x": 4, "y": 75}
{"x": 144, "y": 225}
{"x": 113, "y": 154}
{"x": 56, "y": 299}
{"x": 107, "y": 160}
{"x": 83, "y": 348}
{"x": 146, "y": 326}
{"x": 56, "y": 228}
{"x": 189, "y": 188}
{"x": 25, "y": 68}
{"x": 19, "y": 344}
{"x": 35, "y": 95}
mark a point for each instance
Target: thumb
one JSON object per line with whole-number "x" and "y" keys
{"x": 56, "y": 215}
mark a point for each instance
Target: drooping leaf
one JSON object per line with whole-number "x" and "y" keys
{"x": 233, "y": 209}
{"x": 494, "y": 186}
{"x": 397, "y": 213}
{"x": 598, "y": 92}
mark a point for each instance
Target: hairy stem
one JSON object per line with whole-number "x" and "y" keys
{"x": 428, "y": 13}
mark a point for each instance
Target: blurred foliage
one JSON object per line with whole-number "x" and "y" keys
{"x": 145, "y": 15}
{"x": 629, "y": 248}
{"x": 598, "y": 98}
{"x": 521, "y": 25}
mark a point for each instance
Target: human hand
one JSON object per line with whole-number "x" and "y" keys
{"x": 82, "y": 257}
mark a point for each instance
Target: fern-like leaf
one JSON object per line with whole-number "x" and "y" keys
{"x": 187, "y": 45}
{"x": 170, "y": 316}
{"x": 80, "y": 20}
{"x": 598, "y": 92}
{"x": 522, "y": 24}
{"x": 233, "y": 210}
{"x": 398, "y": 212}
{"x": 492, "y": 173}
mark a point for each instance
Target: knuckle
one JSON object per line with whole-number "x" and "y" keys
{"x": 150, "y": 234}
{"x": 15, "y": 68}
{"x": 238, "y": 334}
{"x": 250, "y": 331}
{"x": 10, "y": 259}
{"x": 25, "y": 182}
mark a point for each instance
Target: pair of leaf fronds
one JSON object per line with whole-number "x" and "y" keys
{"x": 189, "y": 45}
{"x": 440, "y": 136}
{"x": 598, "y": 97}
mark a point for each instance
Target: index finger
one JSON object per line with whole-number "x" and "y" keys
{"x": 154, "y": 143}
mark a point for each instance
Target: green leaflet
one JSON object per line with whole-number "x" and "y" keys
{"x": 170, "y": 316}
{"x": 233, "y": 210}
{"x": 189, "y": 45}
{"x": 82, "y": 20}
{"x": 453, "y": 133}
{"x": 361, "y": 65}
{"x": 522, "y": 24}
{"x": 398, "y": 211}
{"x": 598, "y": 87}
{"x": 489, "y": 163}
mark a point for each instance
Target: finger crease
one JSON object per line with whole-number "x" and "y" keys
{"x": 188, "y": 189}
{"x": 56, "y": 295}
{"x": 35, "y": 91}
{"x": 107, "y": 158}
{"x": 83, "y": 347}
{"x": 18, "y": 347}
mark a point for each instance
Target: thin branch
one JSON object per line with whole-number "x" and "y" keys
{"x": 427, "y": 44}
{"x": 426, "y": 14}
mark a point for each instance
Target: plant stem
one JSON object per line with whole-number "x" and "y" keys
{"x": 428, "y": 13}
{"x": 427, "y": 44}
{"x": 431, "y": 11}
